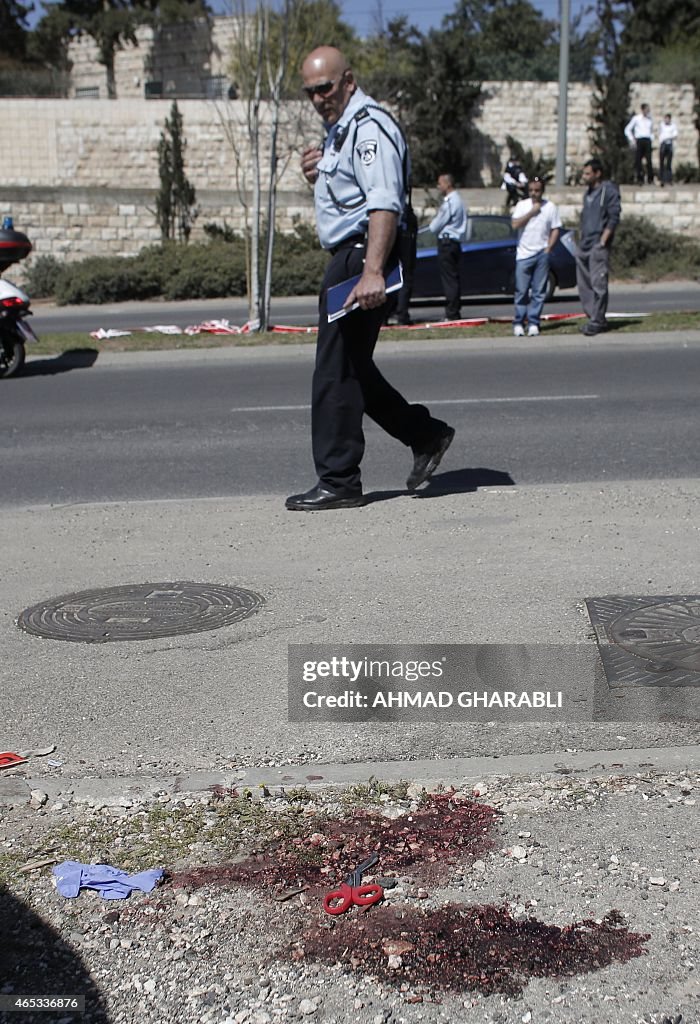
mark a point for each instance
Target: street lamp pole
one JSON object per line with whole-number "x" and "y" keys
{"x": 564, "y": 20}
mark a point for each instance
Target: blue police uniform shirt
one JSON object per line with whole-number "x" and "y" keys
{"x": 451, "y": 219}
{"x": 365, "y": 172}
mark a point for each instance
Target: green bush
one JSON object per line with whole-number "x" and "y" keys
{"x": 176, "y": 271}
{"x": 214, "y": 270}
{"x": 686, "y": 174}
{"x": 42, "y": 277}
{"x": 217, "y": 268}
{"x": 298, "y": 262}
{"x": 220, "y": 232}
{"x": 106, "y": 279}
{"x": 643, "y": 250}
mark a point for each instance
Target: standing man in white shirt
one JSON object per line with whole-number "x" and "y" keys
{"x": 450, "y": 226}
{"x": 537, "y": 222}
{"x": 639, "y": 132}
{"x": 668, "y": 133}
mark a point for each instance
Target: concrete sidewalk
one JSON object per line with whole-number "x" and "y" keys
{"x": 498, "y": 565}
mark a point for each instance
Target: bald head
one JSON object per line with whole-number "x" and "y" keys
{"x": 328, "y": 82}
{"x": 325, "y": 60}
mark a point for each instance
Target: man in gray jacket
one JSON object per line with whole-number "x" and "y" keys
{"x": 599, "y": 218}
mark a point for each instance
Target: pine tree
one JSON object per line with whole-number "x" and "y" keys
{"x": 175, "y": 209}
{"x": 611, "y": 99}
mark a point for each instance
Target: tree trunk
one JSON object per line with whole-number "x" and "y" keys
{"x": 270, "y": 241}
{"x": 254, "y": 301}
{"x": 111, "y": 77}
{"x": 275, "y": 83}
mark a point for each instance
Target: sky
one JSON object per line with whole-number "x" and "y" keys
{"x": 424, "y": 14}
{"x": 364, "y": 15}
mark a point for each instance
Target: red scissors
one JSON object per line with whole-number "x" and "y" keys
{"x": 352, "y": 892}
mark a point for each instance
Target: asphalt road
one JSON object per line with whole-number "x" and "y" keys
{"x": 624, "y": 298}
{"x": 174, "y": 466}
{"x": 193, "y": 424}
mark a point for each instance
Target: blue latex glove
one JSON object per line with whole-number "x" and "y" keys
{"x": 110, "y": 882}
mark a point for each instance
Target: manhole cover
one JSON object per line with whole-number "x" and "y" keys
{"x": 139, "y": 611}
{"x": 648, "y": 641}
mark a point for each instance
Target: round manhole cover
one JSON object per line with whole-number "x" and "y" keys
{"x": 667, "y": 633}
{"x": 139, "y": 611}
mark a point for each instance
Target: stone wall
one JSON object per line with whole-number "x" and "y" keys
{"x": 528, "y": 112}
{"x": 80, "y": 176}
{"x": 113, "y": 143}
{"x": 72, "y": 223}
{"x": 183, "y": 59}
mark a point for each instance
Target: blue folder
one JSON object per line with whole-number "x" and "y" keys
{"x": 338, "y": 293}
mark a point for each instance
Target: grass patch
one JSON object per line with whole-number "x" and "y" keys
{"x": 57, "y": 344}
{"x": 166, "y": 835}
{"x": 371, "y": 792}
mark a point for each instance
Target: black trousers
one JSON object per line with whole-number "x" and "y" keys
{"x": 643, "y": 153}
{"x": 347, "y": 384}
{"x": 666, "y": 162}
{"x": 449, "y": 252}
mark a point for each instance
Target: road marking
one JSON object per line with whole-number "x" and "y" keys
{"x": 433, "y": 401}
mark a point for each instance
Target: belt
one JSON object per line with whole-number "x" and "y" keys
{"x": 447, "y": 238}
{"x": 348, "y": 243}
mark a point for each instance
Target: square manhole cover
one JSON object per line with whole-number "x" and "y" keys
{"x": 648, "y": 641}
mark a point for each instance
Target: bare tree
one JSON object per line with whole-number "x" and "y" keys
{"x": 262, "y": 130}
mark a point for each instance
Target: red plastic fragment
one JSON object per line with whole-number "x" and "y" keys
{"x": 9, "y": 760}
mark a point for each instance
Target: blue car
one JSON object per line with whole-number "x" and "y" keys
{"x": 487, "y": 266}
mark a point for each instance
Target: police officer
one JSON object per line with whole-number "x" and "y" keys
{"x": 450, "y": 226}
{"x": 360, "y": 179}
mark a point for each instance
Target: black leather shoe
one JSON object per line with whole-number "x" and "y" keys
{"x": 427, "y": 461}
{"x": 320, "y": 498}
{"x": 591, "y": 329}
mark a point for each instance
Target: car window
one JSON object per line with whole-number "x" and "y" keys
{"x": 485, "y": 228}
{"x": 426, "y": 239}
{"x": 489, "y": 229}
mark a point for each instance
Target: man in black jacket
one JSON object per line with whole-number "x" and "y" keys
{"x": 599, "y": 218}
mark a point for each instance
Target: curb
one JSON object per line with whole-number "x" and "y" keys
{"x": 120, "y": 791}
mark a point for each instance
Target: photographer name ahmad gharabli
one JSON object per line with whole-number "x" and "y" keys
{"x": 539, "y": 699}
{"x": 362, "y": 683}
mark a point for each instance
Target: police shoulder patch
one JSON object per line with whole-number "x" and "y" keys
{"x": 367, "y": 151}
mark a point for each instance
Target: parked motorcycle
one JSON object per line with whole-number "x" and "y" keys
{"x": 15, "y": 330}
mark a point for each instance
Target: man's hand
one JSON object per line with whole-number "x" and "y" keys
{"x": 369, "y": 292}
{"x": 309, "y": 158}
{"x": 536, "y": 207}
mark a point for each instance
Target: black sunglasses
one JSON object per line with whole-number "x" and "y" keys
{"x": 323, "y": 88}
